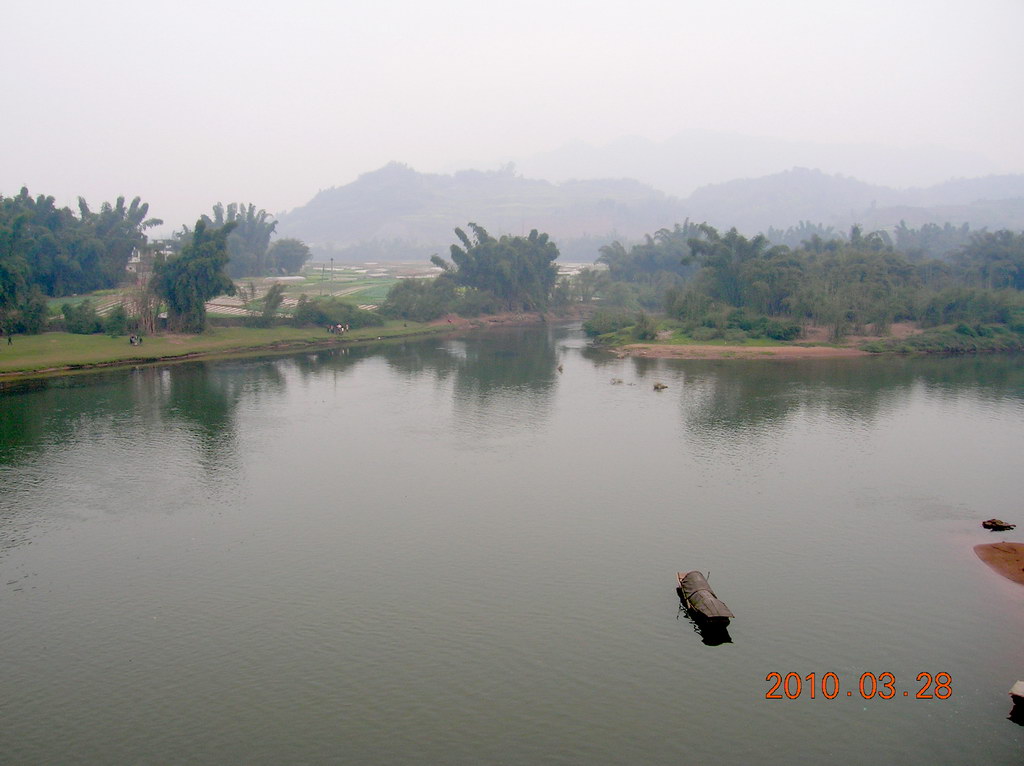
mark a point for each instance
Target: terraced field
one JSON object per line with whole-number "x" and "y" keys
{"x": 365, "y": 285}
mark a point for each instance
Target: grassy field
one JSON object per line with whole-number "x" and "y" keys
{"x": 349, "y": 283}
{"x": 373, "y": 292}
{"x": 53, "y": 351}
{"x": 366, "y": 284}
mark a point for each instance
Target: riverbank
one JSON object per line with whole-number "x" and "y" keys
{"x": 1005, "y": 558}
{"x": 56, "y": 353}
{"x": 695, "y": 351}
{"x": 59, "y": 353}
{"x": 902, "y": 338}
{"x": 814, "y": 344}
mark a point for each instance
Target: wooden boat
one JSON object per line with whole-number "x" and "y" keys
{"x": 997, "y": 525}
{"x": 1017, "y": 693}
{"x": 700, "y": 600}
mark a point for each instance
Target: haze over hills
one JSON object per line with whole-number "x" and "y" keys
{"x": 784, "y": 199}
{"x": 694, "y": 158}
{"x": 397, "y": 213}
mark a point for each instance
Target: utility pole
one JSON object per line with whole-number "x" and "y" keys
{"x": 331, "y": 288}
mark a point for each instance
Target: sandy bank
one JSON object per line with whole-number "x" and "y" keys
{"x": 1005, "y": 558}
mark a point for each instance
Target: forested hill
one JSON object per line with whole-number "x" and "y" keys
{"x": 396, "y": 213}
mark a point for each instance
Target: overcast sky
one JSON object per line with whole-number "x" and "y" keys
{"x": 187, "y": 103}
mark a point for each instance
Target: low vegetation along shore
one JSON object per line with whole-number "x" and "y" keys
{"x": 58, "y": 352}
{"x": 813, "y": 342}
{"x": 61, "y": 352}
{"x": 53, "y": 353}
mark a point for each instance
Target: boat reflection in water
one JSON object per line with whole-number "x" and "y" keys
{"x": 711, "y": 634}
{"x": 1017, "y": 695}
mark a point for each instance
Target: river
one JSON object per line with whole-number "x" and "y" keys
{"x": 453, "y": 552}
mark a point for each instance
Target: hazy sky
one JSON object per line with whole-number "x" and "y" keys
{"x": 187, "y": 103}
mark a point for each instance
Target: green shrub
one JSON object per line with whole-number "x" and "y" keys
{"x": 420, "y": 300}
{"x": 705, "y": 333}
{"x": 29, "y": 318}
{"x": 81, "y": 319}
{"x": 116, "y": 322}
{"x": 605, "y": 321}
{"x": 754, "y": 327}
{"x": 778, "y": 330}
{"x": 471, "y": 302}
{"x": 646, "y": 327}
{"x": 650, "y": 297}
{"x": 687, "y": 303}
{"x": 332, "y": 311}
{"x": 621, "y": 295}
{"x": 716, "y": 320}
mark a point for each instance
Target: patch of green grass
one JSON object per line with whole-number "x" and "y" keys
{"x": 59, "y": 350}
{"x": 372, "y": 293}
{"x": 74, "y": 300}
{"x": 54, "y": 304}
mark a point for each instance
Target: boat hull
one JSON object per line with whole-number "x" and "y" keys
{"x": 700, "y": 600}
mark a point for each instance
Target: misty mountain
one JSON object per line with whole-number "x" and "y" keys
{"x": 688, "y": 160}
{"x": 784, "y": 199}
{"x": 966, "y": 191}
{"x": 396, "y": 213}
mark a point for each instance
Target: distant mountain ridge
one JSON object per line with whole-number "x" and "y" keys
{"x": 397, "y": 213}
{"x": 686, "y": 161}
{"x": 784, "y": 199}
{"x": 398, "y": 204}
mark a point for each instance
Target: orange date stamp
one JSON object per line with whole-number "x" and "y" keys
{"x": 869, "y": 686}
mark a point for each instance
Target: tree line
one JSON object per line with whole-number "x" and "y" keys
{"x": 250, "y": 251}
{"x": 928, "y": 241}
{"x": 48, "y": 251}
{"x": 716, "y": 284}
{"x": 485, "y": 275}
{"x": 712, "y": 283}
{"x": 727, "y": 285}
